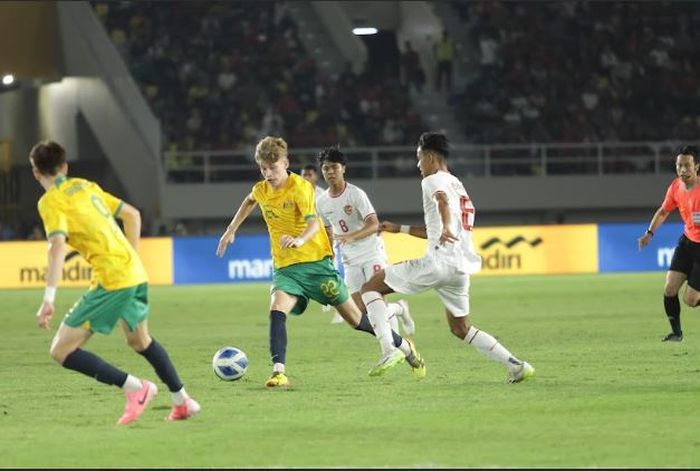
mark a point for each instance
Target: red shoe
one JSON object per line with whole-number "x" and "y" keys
{"x": 184, "y": 411}
{"x": 137, "y": 401}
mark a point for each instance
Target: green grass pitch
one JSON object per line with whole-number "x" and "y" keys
{"x": 607, "y": 391}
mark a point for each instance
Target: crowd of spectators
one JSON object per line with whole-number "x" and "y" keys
{"x": 581, "y": 71}
{"x": 219, "y": 75}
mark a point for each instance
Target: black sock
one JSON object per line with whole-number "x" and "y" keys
{"x": 397, "y": 338}
{"x": 366, "y": 326}
{"x": 159, "y": 359}
{"x": 673, "y": 311}
{"x": 91, "y": 365}
{"x": 278, "y": 336}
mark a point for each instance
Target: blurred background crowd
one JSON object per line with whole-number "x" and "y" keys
{"x": 221, "y": 74}
{"x": 578, "y": 71}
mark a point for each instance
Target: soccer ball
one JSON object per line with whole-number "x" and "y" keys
{"x": 230, "y": 363}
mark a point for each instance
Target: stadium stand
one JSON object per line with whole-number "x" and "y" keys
{"x": 576, "y": 71}
{"x": 560, "y": 89}
{"x": 221, "y": 74}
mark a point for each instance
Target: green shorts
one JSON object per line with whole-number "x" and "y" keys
{"x": 99, "y": 310}
{"x": 319, "y": 281}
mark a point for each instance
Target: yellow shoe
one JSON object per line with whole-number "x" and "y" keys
{"x": 277, "y": 380}
{"x": 415, "y": 360}
{"x": 387, "y": 362}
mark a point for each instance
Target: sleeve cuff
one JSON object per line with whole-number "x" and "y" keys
{"x": 119, "y": 208}
{"x": 53, "y": 233}
{"x": 309, "y": 216}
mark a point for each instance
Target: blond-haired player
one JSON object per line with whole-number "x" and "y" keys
{"x": 79, "y": 211}
{"x": 301, "y": 255}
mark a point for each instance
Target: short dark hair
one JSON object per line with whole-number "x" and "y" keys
{"x": 47, "y": 157}
{"x": 331, "y": 154}
{"x": 310, "y": 167}
{"x": 688, "y": 150}
{"x": 435, "y": 142}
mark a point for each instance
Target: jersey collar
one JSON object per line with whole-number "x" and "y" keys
{"x": 59, "y": 179}
{"x": 345, "y": 187}
{"x": 287, "y": 183}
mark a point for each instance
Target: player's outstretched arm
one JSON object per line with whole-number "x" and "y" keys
{"x": 56, "y": 257}
{"x": 229, "y": 234}
{"x": 659, "y": 217}
{"x": 415, "y": 231}
{"x": 132, "y": 224}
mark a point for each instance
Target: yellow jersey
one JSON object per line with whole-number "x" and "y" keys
{"x": 85, "y": 214}
{"x": 286, "y": 210}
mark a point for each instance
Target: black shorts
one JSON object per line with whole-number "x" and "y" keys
{"x": 686, "y": 259}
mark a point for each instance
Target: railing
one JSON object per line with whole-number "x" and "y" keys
{"x": 600, "y": 158}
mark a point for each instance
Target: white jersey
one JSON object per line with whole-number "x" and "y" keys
{"x": 347, "y": 213}
{"x": 460, "y": 254}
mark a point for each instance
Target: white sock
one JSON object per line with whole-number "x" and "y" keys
{"x": 404, "y": 347}
{"x": 132, "y": 384}
{"x": 394, "y": 310}
{"x": 490, "y": 347}
{"x": 179, "y": 397}
{"x": 377, "y": 314}
{"x": 278, "y": 368}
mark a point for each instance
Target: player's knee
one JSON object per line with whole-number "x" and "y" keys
{"x": 691, "y": 300}
{"x": 373, "y": 284}
{"x": 138, "y": 343}
{"x": 459, "y": 330}
{"x": 365, "y": 287}
{"x": 58, "y": 354}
